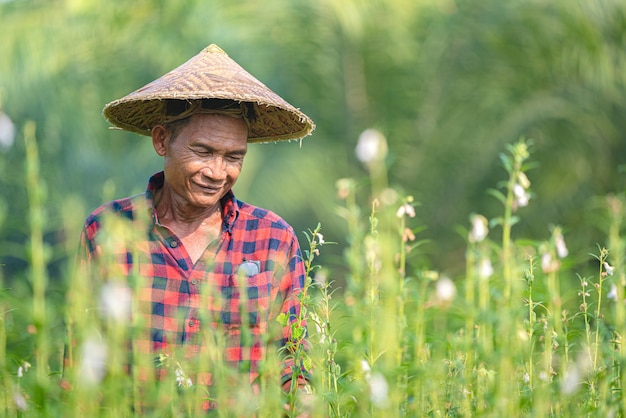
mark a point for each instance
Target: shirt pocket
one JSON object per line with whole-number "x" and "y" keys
{"x": 247, "y": 300}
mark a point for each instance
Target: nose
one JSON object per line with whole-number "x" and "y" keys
{"x": 215, "y": 169}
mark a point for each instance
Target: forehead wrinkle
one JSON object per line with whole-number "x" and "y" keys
{"x": 205, "y": 130}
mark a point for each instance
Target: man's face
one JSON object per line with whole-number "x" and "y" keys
{"x": 203, "y": 162}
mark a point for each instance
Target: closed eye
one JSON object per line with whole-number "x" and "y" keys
{"x": 202, "y": 151}
{"x": 235, "y": 158}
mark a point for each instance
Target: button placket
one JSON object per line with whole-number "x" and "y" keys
{"x": 194, "y": 290}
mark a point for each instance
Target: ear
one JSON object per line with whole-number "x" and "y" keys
{"x": 160, "y": 137}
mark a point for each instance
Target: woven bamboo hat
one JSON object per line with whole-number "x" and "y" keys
{"x": 210, "y": 82}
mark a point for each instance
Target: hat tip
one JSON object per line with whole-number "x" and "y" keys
{"x": 214, "y": 49}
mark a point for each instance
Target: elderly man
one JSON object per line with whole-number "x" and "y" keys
{"x": 214, "y": 280}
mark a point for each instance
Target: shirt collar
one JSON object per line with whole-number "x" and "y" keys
{"x": 230, "y": 211}
{"x": 230, "y": 205}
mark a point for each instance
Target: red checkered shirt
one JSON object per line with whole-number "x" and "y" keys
{"x": 249, "y": 275}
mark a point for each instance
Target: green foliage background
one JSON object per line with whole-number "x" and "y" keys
{"x": 448, "y": 82}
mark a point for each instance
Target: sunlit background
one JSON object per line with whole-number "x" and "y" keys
{"x": 448, "y": 83}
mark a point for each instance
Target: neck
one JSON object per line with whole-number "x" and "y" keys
{"x": 175, "y": 212}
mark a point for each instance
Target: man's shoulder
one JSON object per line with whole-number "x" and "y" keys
{"x": 255, "y": 213}
{"x": 125, "y": 208}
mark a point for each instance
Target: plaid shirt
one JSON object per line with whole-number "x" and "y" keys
{"x": 233, "y": 294}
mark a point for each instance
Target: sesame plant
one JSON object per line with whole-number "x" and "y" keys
{"x": 518, "y": 333}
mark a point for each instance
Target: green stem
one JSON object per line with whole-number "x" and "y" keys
{"x": 531, "y": 326}
{"x": 506, "y": 236}
{"x": 603, "y": 256}
{"x": 37, "y": 251}
{"x": 299, "y": 352}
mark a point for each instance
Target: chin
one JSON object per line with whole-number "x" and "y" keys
{"x": 206, "y": 201}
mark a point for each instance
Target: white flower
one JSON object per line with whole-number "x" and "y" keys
{"x": 406, "y": 209}
{"x": 320, "y": 239}
{"x": 521, "y": 196}
{"x": 19, "y": 400}
{"x": 546, "y": 261}
{"x": 485, "y": 269}
{"x": 612, "y": 295}
{"x": 115, "y": 301}
{"x": 320, "y": 327}
{"x": 571, "y": 381}
{"x": 371, "y": 147}
{"x": 7, "y": 131}
{"x": 561, "y": 249}
{"x": 23, "y": 369}
{"x": 379, "y": 390}
{"x": 181, "y": 379}
{"x": 93, "y": 355}
{"x": 365, "y": 366}
{"x": 548, "y": 265}
{"x": 575, "y": 374}
{"x": 320, "y": 278}
{"x": 608, "y": 268}
{"x": 479, "y": 228}
{"x": 522, "y": 335}
{"x": 445, "y": 290}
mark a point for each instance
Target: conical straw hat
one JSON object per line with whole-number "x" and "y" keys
{"x": 210, "y": 75}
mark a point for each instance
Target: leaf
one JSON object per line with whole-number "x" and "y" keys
{"x": 506, "y": 162}
{"x": 297, "y": 332}
{"x": 307, "y": 362}
{"x": 282, "y": 319}
{"x": 498, "y": 195}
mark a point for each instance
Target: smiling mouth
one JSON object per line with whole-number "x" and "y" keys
{"x": 209, "y": 188}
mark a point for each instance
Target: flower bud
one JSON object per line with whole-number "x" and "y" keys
{"x": 479, "y": 228}
{"x": 371, "y": 147}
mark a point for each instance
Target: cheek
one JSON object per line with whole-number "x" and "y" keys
{"x": 233, "y": 170}
{"x": 179, "y": 164}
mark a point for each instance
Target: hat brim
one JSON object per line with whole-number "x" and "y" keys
{"x": 210, "y": 75}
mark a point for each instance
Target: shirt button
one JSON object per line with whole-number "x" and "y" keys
{"x": 194, "y": 282}
{"x": 173, "y": 243}
{"x": 192, "y": 323}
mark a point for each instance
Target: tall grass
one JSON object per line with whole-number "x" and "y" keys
{"x": 518, "y": 334}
